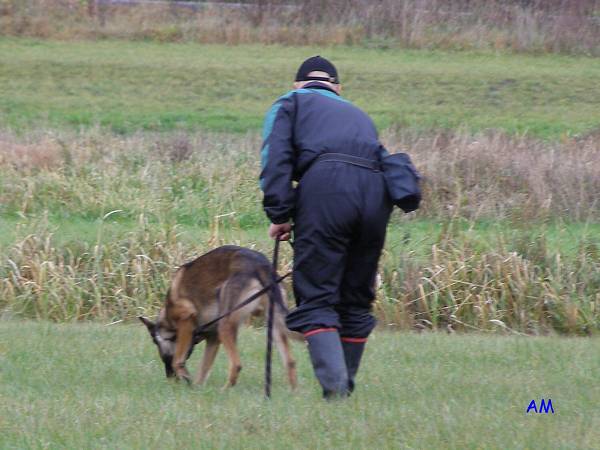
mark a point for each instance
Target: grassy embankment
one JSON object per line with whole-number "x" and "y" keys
{"x": 128, "y": 86}
{"x": 508, "y": 234}
{"x": 74, "y": 386}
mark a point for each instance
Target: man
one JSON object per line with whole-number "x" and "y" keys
{"x": 339, "y": 209}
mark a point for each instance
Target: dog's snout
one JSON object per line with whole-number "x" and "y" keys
{"x": 169, "y": 372}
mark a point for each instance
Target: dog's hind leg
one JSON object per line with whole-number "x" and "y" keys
{"x": 282, "y": 342}
{"x": 228, "y": 330}
{"x": 234, "y": 290}
{"x": 228, "y": 327}
{"x": 210, "y": 352}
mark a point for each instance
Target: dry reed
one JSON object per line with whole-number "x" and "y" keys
{"x": 158, "y": 181}
{"x": 519, "y": 25}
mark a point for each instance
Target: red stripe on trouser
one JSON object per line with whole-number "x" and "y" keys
{"x": 318, "y": 330}
{"x": 354, "y": 340}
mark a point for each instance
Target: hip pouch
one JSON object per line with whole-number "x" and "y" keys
{"x": 402, "y": 181}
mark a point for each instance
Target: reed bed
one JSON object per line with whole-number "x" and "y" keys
{"x": 458, "y": 288}
{"x": 155, "y": 184}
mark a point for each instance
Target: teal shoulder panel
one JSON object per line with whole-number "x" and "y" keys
{"x": 268, "y": 126}
{"x": 270, "y": 120}
{"x": 272, "y": 114}
{"x": 264, "y": 155}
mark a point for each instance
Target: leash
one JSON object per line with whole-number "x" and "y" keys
{"x": 200, "y": 329}
{"x": 270, "y": 317}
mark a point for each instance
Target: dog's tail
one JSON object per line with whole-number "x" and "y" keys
{"x": 270, "y": 276}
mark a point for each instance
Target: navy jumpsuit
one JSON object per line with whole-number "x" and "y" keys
{"x": 340, "y": 211}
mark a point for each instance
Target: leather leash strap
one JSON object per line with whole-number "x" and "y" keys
{"x": 270, "y": 318}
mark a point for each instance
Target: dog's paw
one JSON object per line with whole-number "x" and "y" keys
{"x": 227, "y": 386}
{"x": 184, "y": 376}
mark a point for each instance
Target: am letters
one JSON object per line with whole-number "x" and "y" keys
{"x": 545, "y": 407}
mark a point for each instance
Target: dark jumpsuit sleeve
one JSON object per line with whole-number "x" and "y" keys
{"x": 277, "y": 161}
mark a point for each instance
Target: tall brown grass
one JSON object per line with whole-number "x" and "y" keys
{"x": 532, "y": 291}
{"x": 571, "y": 26}
{"x": 483, "y": 176}
{"x": 517, "y": 284}
{"x": 494, "y": 175}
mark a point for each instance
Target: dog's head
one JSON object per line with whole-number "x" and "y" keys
{"x": 164, "y": 336}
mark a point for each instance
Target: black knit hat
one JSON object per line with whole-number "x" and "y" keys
{"x": 317, "y": 63}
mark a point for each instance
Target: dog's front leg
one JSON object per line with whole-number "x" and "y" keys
{"x": 185, "y": 334}
{"x": 212, "y": 346}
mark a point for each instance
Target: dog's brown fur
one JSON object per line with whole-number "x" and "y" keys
{"x": 201, "y": 290}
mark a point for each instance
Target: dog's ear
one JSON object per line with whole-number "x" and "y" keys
{"x": 149, "y": 324}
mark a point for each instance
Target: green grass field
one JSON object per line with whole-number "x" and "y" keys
{"x": 90, "y": 128}
{"x": 121, "y": 160}
{"x": 93, "y": 386}
{"x": 507, "y": 233}
{"x": 127, "y": 86}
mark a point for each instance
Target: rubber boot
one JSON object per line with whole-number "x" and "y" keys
{"x": 353, "y": 351}
{"x": 327, "y": 357}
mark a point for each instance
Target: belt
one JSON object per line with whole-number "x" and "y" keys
{"x": 349, "y": 159}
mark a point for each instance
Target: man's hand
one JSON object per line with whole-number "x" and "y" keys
{"x": 281, "y": 231}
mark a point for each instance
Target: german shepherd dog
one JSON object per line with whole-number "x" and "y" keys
{"x": 200, "y": 290}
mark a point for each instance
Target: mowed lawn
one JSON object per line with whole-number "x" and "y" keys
{"x": 94, "y": 386}
{"x": 128, "y": 86}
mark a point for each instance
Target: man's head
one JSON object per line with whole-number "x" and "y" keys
{"x": 319, "y": 70}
